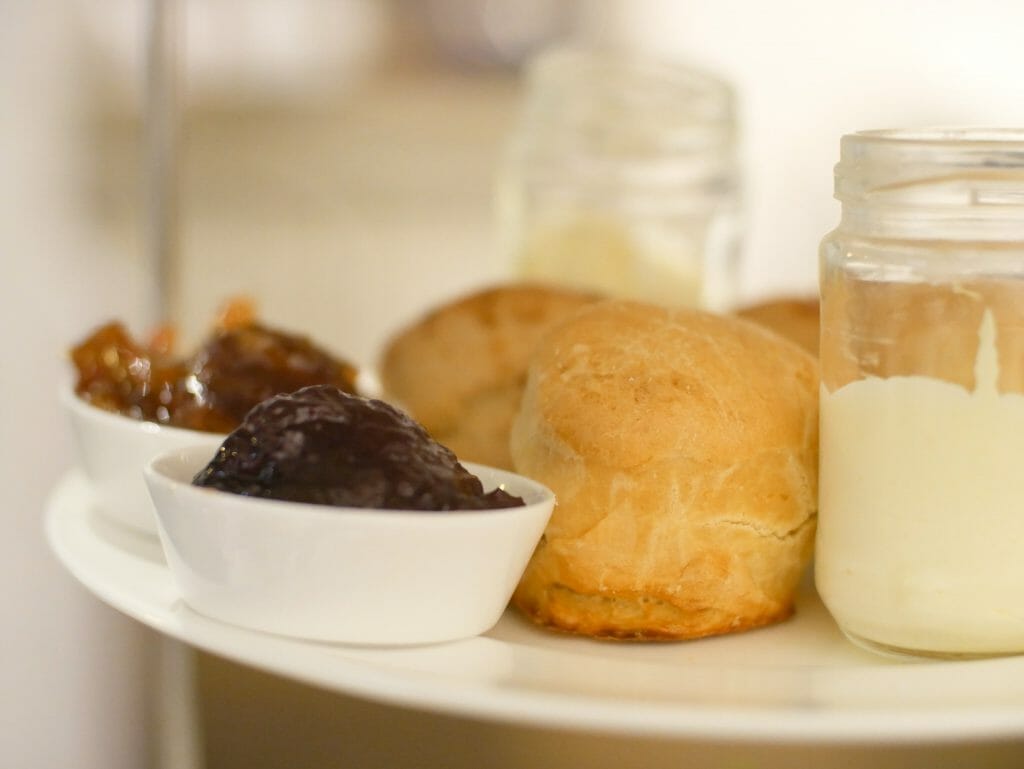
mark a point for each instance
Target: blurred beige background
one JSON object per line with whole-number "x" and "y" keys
{"x": 338, "y": 167}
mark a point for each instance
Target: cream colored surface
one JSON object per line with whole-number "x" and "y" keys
{"x": 597, "y": 252}
{"x": 460, "y": 370}
{"x": 682, "y": 449}
{"x": 922, "y": 510}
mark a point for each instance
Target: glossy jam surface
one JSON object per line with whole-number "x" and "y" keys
{"x": 120, "y": 374}
{"x": 325, "y": 446}
{"x": 212, "y": 390}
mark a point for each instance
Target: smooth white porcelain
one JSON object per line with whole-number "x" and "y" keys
{"x": 113, "y": 449}
{"x": 795, "y": 683}
{"x": 339, "y": 574}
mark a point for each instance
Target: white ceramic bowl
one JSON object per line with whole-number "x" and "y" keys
{"x": 343, "y": 574}
{"x": 113, "y": 449}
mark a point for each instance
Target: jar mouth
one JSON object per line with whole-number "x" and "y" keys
{"x": 578, "y": 67}
{"x": 621, "y": 106}
{"x": 962, "y": 137}
{"x": 955, "y": 183}
{"x": 897, "y": 163}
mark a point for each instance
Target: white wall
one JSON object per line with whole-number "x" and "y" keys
{"x": 807, "y": 72}
{"x": 71, "y": 669}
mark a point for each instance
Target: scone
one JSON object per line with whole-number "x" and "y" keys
{"x": 795, "y": 318}
{"x": 460, "y": 371}
{"x": 682, "y": 450}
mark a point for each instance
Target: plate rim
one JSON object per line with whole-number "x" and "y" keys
{"x": 366, "y": 673}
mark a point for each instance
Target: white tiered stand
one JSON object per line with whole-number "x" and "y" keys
{"x": 799, "y": 682}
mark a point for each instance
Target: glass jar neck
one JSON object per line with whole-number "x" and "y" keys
{"x": 936, "y": 184}
{"x": 626, "y": 119}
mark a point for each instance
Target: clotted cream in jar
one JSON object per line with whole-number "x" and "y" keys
{"x": 621, "y": 176}
{"x": 921, "y": 513}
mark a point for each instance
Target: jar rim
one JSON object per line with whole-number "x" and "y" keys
{"x": 1002, "y": 137}
{"x": 610, "y": 109}
{"x": 944, "y": 182}
{"x": 881, "y": 162}
{"x": 569, "y": 57}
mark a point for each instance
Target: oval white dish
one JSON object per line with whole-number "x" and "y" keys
{"x": 112, "y": 449}
{"x": 338, "y": 574}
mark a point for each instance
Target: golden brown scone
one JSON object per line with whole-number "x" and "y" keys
{"x": 682, "y": 450}
{"x": 796, "y": 318}
{"x": 460, "y": 371}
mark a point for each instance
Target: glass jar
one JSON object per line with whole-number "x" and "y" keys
{"x": 622, "y": 177}
{"x": 921, "y": 520}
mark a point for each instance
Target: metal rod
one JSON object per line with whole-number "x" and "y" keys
{"x": 177, "y": 735}
{"x": 160, "y": 172}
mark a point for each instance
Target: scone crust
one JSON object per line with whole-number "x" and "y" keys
{"x": 794, "y": 317}
{"x": 461, "y": 369}
{"x": 682, "y": 448}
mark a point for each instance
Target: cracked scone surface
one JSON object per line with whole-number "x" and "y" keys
{"x": 682, "y": 450}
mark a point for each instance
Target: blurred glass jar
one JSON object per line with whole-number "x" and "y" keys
{"x": 622, "y": 177}
{"x": 921, "y": 518}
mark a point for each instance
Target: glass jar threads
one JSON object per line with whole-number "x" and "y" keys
{"x": 921, "y": 519}
{"x": 621, "y": 177}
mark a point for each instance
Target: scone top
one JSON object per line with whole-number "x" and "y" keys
{"x": 623, "y": 383}
{"x": 682, "y": 448}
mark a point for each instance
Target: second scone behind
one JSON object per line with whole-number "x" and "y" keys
{"x": 795, "y": 318}
{"x": 460, "y": 370}
{"x": 682, "y": 449}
